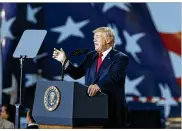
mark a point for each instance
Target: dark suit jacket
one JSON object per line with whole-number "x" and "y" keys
{"x": 33, "y": 127}
{"x": 110, "y": 78}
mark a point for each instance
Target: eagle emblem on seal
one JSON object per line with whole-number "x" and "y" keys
{"x": 52, "y": 98}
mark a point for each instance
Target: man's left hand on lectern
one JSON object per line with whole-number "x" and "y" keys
{"x": 93, "y": 89}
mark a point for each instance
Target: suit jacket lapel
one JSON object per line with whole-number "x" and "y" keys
{"x": 107, "y": 60}
{"x": 93, "y": 67}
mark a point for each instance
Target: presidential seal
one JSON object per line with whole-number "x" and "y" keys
{"x": 51, "y": 98}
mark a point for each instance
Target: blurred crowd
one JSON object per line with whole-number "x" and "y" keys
{"x": 7, "y": 117}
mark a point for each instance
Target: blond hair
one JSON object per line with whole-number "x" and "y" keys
{"x": 108, "y": 32}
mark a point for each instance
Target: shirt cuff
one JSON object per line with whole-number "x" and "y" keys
{"x": 66, "y": 64}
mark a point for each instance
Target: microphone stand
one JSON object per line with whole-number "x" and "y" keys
{"x": 63, "y": 66}
{"x": 75, "y": 53}
{"x": 17, "y": 116}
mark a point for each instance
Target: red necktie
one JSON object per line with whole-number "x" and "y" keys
{"x": 99, "y": 61}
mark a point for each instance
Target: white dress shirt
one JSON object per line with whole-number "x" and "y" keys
{"x": 33, "y": 124}
{"x": 105, "y": 53}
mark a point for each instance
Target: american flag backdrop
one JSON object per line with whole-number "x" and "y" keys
{"x": 149, "y": 33}
{"x": 7, "y": 19}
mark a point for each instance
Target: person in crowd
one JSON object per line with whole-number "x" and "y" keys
{"x": 30, "y": 120}
{"x": 7, "y": 116}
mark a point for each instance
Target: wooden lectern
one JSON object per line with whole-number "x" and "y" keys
{"x": 62, "y": 104}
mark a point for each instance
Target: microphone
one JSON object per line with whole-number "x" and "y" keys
{"x": 79, "y": 52}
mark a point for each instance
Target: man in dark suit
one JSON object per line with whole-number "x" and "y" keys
{"x": 105, "y": 71}
{"x": 30, "y": 121}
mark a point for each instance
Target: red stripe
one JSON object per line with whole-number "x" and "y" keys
{"x": 172, "y": 42}
{"x": 136, "y": 98}
{"x": 149, "y": 99}
{"x": 179, "y": 81}
{"x": 176, "y": 99}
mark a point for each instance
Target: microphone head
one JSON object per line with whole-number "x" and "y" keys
{"x": 85, "y": 51}
{"x": 78, "y": 52}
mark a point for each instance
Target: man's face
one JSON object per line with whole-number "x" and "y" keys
{"x": 99, "y": 42}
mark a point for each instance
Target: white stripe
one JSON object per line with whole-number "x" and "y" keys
{"x": 155, "y": 99}
{"x": 166, "y": 16}
{"x": 176, "y": 63}
{"x": 143, "y": 99}
{"x": 129, "y": 99}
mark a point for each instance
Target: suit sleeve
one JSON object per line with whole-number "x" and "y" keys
{"x": 76, "y": 72}
{"x": 115, "y": 77}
